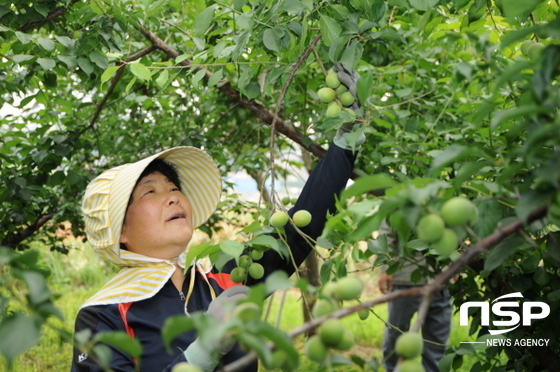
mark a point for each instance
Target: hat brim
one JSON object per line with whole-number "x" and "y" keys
{"x": 198, "y": 174}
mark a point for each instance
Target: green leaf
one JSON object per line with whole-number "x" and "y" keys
{"x": 198, "y": 76}
{"x": 278, "y": 280}
{"x": 140, "y": 71}
{"x": 215, "y": 78}
{"x": 528, "y": 202}
{"x": 122, "y": 341}
{"x": 109, "y": 73}
{"x": 271, "y": 38}
{"x": 352, "y": 55}
{"x": 70, "y": 61}
{"x": 330, "y": 29}
{"x": 46, "y": 63}
{"x": 99, "y": 59}
{"x": 501, "y": 252}
{"x": 519, "y": 8}
{"x": 19, "y": 58}
{"x": 173, "y": 327}
{"x": 423, "y": 4}
{"x": 232, "y": 247}
{"x": 364, "y": 87}
{"x": 46, "y": 44}
{"x": 515, "y": 113}
{"x": 162, "y": 78}
{"x": 86, "y": 65}
{"x": 199, "y": 251}
{"x": 38, "y": 290}
{"x": 368, "y": 183}
{"x": 203, "y": 21}
{"x": 450, "y": 155}
{"x": 66, "y": 41}
{"x": 265, "y": 240}
{"x": 6, "y": 255}
{"x": 23, "y": 37}
{"x": 19, "y": 332}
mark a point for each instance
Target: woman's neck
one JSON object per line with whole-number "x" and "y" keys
{"x": 178, "y": 277}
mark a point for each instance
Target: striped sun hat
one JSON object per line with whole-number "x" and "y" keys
{"x": 106, "y": 197}
{"x": 104, "y": 206}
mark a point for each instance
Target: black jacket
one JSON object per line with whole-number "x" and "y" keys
{"x": 144, "y": 319}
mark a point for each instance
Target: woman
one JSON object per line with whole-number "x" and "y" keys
{"x": 141, "y": 216}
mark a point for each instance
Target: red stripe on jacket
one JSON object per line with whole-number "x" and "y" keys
{"x": 223, "y": 280}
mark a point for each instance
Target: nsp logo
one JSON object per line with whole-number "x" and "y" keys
{"x": 527, "y": 314}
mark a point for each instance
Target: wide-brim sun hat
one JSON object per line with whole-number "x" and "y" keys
{"x": 106, "y": 198}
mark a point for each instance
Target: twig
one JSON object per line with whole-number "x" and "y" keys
{"x": 17, "y": 238}
{"x": 279, "y": 104}
{"x": 100, "y": 105}
{"x": 50, "y": 17}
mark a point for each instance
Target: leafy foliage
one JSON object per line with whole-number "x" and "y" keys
{"x": 451, "y": 106}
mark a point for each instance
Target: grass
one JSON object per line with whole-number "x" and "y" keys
{"x": 76, "y": 276}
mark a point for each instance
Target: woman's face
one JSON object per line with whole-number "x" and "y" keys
{"x": 158, "y": 222}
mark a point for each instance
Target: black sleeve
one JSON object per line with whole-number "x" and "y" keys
{"x": 89, "y": 318}
{"x": 318, "y": 196}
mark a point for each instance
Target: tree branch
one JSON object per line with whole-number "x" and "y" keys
{"x": 425, "y": 291}
{"x": 52, "y": 16}
{"x": 17, "y": 238}
{"x": 261, "y": 112}
{"x": 100, "y": 105}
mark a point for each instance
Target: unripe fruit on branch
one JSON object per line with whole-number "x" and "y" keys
{"x": 525, "y": 45}
{"x": 410, "y": 365}
{"x": 245, "y": 261}
{"x": 346, "y": 342}
{"x": 247, "y": 311}
{"x": 363, "y": 314}
{"x": 447, "y": 244}
{"x": 409, "y": 345}
{"x": 331, "y": 332}
{"x": 341, "y": 89}
{"x": 256, "y": 270}
{"x": 334, "y": 109}
{"x": 185, "y": 367}
{"x": 332, "y": 80}
{"x": 457, "y": 211}
{"x": 238, "y": 275}
{"x": 256, "y": 254}
{"x": 315, "y": 349}
{"x": 347, "y": 288}
{"x": 326, "y": 95}
{"x": 323, "y": 307}
{"x": 279, "y": 219}
{"x": 347, "y": 99}
{"x": 302, "y": 218}
{"x": 534, "y": 51}
{"x": 430, "y": 228}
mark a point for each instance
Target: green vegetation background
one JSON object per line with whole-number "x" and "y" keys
{"x": 79, "y": 274}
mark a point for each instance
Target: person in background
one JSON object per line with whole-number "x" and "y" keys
{"x": 437, "y": 325}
